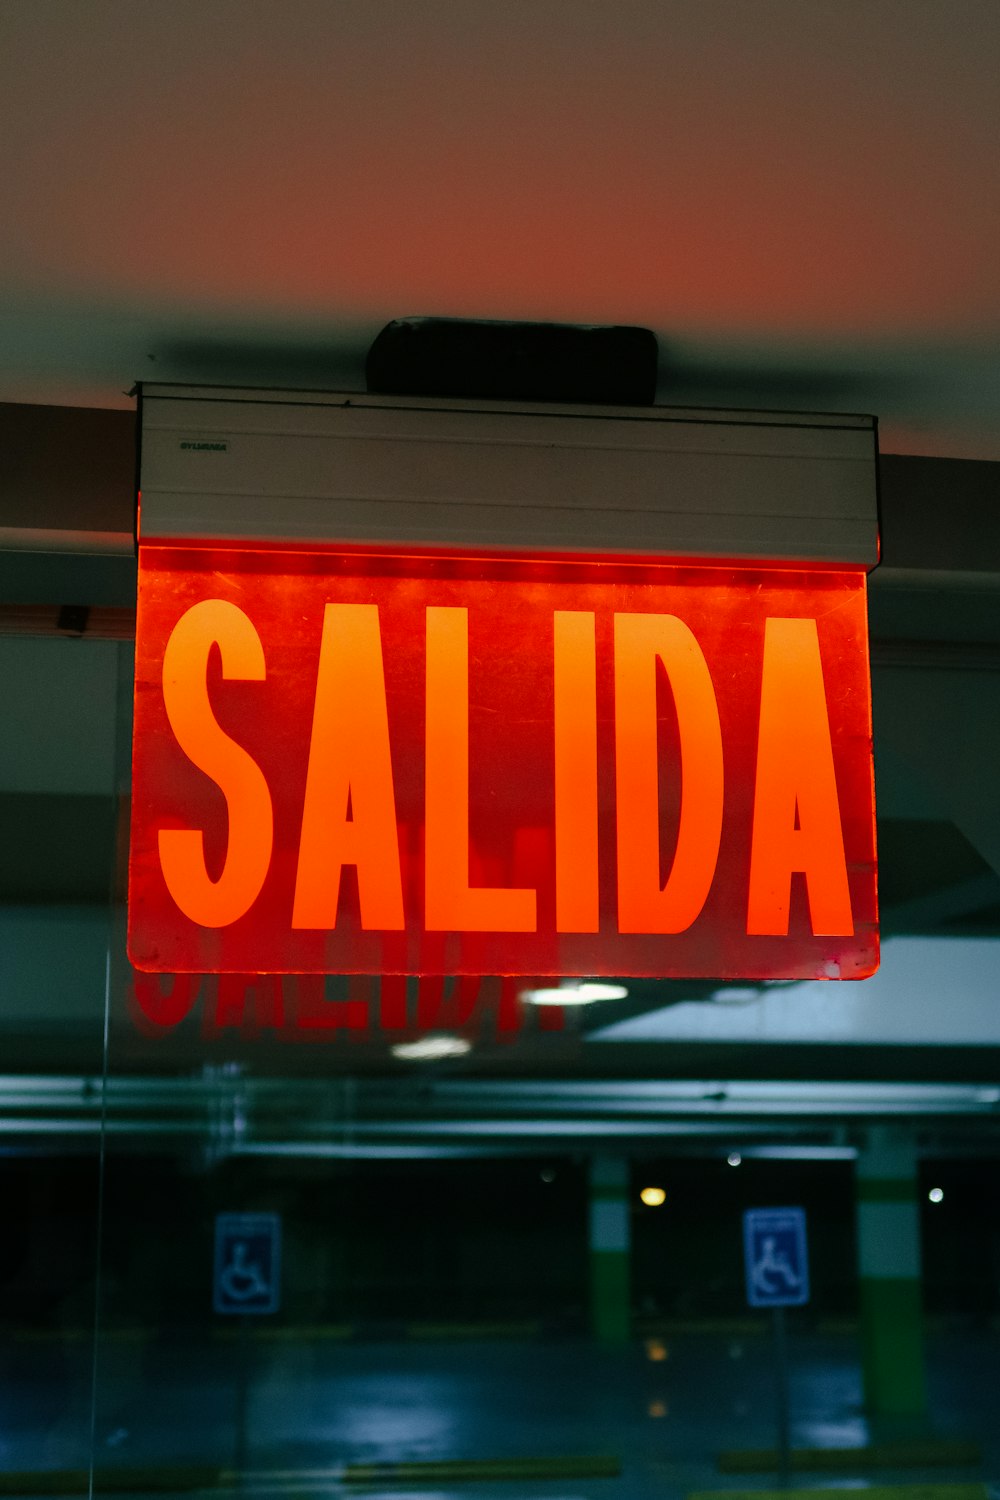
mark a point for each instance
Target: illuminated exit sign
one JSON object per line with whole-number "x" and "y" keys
{"x": 419, "y": 753}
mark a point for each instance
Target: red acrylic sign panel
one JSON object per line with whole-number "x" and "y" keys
{"x": 371, "y": 764}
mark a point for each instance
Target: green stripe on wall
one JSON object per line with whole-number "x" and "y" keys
{"x": 886, "y": 1189}
{"x": 610, "y": 1293}
{"x": 893, "y": 1345}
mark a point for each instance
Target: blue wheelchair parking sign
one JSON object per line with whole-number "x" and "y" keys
{"x": 247, "y": 1273}
{"x": 775, "y": 1257}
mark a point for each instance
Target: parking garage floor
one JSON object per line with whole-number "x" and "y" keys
{"x": 300, "y": 1414}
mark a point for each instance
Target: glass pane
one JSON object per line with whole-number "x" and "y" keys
{"x": 57, "y": 814}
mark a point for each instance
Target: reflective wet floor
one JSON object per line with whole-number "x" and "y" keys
{"x": 292, "y": 1412}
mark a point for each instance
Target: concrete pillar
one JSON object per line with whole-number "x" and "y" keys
{"x": 888, "y": 1222}
{"x": 610, "y": 1246}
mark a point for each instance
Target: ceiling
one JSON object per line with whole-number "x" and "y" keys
{"x": 799, "y": 196}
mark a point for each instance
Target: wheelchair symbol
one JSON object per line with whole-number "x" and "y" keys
{"x": 773, "y": 1264}
{"x": 247, "y": 1263}
{"x": 241, "y": 1280}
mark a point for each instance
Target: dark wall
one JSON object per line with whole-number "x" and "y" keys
{"x": 687, "y": 1258}
{"x": 378, "y": 1245}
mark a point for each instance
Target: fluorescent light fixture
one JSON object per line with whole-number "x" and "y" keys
{"x": 430, "y": 1048}
{"x": 790, "y": 1152}
{"x": 587, "y": 992}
